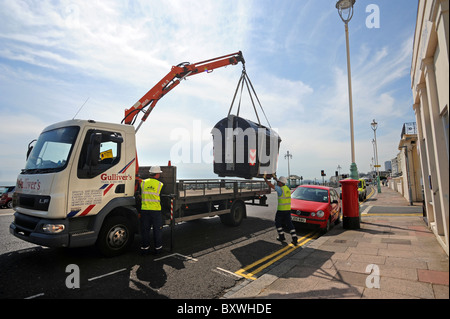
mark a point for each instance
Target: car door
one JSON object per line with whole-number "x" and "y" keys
{"x": 334, "y": 205}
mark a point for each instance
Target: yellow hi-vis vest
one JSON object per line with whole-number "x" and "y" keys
{"x": 150, "y": 190}
{"x": 284, "y": 201}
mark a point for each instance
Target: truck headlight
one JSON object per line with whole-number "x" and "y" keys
{"x": 53, "y": 228}
{"x": 320, "y": 213}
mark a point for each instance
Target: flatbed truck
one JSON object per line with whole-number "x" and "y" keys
{"x": 79, "y": 183}
{"x": 71, "y": 199}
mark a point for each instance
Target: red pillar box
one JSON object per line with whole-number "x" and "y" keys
{"x": 350, "y": 204}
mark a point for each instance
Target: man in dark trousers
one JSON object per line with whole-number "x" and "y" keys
{"x": 150, "y": 214}
{"x": 283, "y": 215}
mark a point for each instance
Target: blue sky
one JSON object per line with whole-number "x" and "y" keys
{"x": 56, "y": 54}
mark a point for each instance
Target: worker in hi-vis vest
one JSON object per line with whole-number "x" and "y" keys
{"x": 283, "y": 215}
{"x": 150, "y": 213}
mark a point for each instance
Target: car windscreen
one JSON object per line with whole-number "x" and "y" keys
{"x": 311, "y": 194}
{"x": 52, "y": 150}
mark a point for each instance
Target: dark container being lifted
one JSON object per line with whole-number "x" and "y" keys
{"x": 243, "y": 148}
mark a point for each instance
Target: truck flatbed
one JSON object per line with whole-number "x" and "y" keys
{"x": 190, "y": 199}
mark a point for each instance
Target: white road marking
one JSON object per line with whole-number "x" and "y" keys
{"x": 6, "y": 214}
{"x": 176, "y": 254}
{"x": 224, "y": 271}
{"x": 35, "y": 296}
{"x": 366, "y": 211}
{"x": 108, "y": 274}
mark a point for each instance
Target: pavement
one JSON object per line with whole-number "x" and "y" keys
{"x": 394, "y": 255}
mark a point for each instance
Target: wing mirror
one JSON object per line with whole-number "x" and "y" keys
{"x": 93, "y": 151}
{"x": 30, "y": 148}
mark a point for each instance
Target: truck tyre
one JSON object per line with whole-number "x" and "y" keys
{"x": 236, "y": 214}
{"x": 115, "y": 237}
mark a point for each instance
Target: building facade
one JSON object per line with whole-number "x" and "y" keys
{"x": 395, "y": 166}
{"x": 430, "y": 89}
{"x": 411, "y": 172}
{"x": 388, "y": 166}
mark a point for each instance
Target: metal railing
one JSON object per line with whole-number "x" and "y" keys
{"x": 201, "y": 187}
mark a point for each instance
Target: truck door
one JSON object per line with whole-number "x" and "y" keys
{"x": 100, "y": 173}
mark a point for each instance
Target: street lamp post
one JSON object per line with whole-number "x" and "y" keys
{"x": 374, "y": 128}
{"x": 374, "y": 163}
{"x": 345, "y": 10}
{"x": 288, "y": 156}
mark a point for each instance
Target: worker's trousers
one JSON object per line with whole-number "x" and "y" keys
{"x": 283, "y": 219}
{"x": 148, "y": 219}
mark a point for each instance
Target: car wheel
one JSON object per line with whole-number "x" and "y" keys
{"x": 327, "y": 227}
{"x": 10, "y": 204}
{"x": 338, "y": 220}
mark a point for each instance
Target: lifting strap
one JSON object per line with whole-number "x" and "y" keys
{"x": 244, "y": 79}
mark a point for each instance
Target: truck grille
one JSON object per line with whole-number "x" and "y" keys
{"x": 36, "y": 202}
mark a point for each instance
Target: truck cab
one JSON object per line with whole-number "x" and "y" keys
{"x": 78, "y": 173}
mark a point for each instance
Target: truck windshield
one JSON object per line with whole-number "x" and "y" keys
{"x": 52, "y": 150}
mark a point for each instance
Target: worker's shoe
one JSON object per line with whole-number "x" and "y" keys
{"x": 145, "y": 251}
{"x": 281, "y": 238}
{"x": 157, "y": 251}
{"x": 294, "y": 241}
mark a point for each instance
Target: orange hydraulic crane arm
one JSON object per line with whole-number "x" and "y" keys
{"x": 172, "y": 79}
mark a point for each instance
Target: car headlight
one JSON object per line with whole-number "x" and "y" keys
{"x": 320, "y": 213}
{"x": 53, "y": 228}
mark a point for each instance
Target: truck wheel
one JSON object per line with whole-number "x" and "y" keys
{"x": 115, "y": 237}
{"x": 236, "y": 215}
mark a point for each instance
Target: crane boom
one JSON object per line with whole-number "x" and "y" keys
{"x": 171, "y": 80}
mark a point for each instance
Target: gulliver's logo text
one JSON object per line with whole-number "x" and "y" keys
{"x": 115, "y": 177}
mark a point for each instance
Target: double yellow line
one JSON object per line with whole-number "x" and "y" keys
{"x": 372, "y": 192}
{"x": 265, "y": 262}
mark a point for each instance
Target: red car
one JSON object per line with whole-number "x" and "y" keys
{"x": 6, "y": 196}
{"x": 314, "y": 205}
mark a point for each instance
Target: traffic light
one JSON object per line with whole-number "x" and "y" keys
{"x": 322, "y": 173}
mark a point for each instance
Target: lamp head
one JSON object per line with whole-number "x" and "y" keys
{"x": 345, "y": 9}
{"x": 374, "y": 125}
